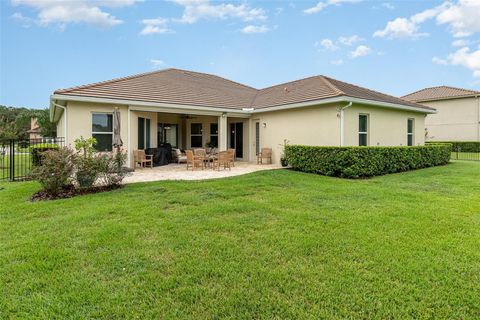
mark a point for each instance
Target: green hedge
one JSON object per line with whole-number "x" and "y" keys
{"x": 357, "y": 162}
{"x": 460, "y": 146}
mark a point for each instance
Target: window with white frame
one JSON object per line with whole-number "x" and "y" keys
{"x": 363, "y": 130}
{"x": 410, "y": 131}
{"x": 102, "y": 131}
{"x": 196, "y": 135}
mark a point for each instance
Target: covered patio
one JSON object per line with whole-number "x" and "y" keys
{"x": 175, "y": 171}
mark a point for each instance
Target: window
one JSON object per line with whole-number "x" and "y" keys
{"x": 214, "y": 134}
{"x": 167, "y": 133}
{"x": 143, "y": 133}
{"x": 102, "y": 131}
{"x": 410, "y": 130}
{"x": 196, "y": 135}
{"x": 257, "y": 137}
{"x": 363, "y": 130}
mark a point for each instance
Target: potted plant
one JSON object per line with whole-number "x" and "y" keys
{"x": 283, "y": 159}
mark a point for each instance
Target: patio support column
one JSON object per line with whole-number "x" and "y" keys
{"x": 222, "y": 132}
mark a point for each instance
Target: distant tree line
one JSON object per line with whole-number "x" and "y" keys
{"x": 15, "y": 122}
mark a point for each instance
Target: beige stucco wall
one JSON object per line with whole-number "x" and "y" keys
{"x": 79, "y": 120}
{"x": 317, "y": 126}
{"x": 386, "y": 127}
{"x": 320, "y": 126}
{"x": 456, "y": 120}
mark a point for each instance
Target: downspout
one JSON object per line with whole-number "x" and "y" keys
{"x": 342, "y": 123}
{"x": 65, "y": 120}
{"x": 478, "y": 118}
{"x": 128, "y": 139}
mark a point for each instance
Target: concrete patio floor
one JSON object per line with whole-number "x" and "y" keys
{"x": 175, "y": 171}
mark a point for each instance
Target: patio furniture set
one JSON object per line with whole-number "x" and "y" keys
{"x": 201, "y": 158}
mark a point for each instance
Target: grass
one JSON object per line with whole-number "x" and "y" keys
{"x": 273, "y": 244}
{"x": 23, "y": 165}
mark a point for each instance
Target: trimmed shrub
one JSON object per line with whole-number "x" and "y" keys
{"x": 358, "y": 162}
{"x": 56, "y": 170}
{"x": 460, "y": 146}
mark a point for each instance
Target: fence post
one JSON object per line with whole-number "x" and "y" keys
{"x": 12, "y": 160}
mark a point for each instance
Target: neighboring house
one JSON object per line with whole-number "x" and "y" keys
{"x": 188, "y": 109}
{"x": 458, "y": 113}
{"x": 34, "y": 132}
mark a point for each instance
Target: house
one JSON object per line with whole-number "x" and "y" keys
{"x": 458, "y": 113}
{"x": 190, "y": 109}
{"x": 34, "y": 132}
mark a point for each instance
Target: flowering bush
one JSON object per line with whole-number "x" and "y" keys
{"x": 56, "y": 170}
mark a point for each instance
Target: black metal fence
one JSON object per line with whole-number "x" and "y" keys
{"x": 17, "y": 157}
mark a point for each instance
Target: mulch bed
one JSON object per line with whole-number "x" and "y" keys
{"x": 70, "y": 192}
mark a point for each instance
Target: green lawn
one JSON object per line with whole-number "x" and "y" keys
{"x": 274, "y": 244}
{"x": 23, "y": 165}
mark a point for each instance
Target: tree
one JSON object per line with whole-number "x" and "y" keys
{"x": 47, "y": 128}
{"x": 15, "y": 122}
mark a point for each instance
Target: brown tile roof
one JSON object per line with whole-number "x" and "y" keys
{"x": 320, "y": 87}
{"x": 171, "y": 86}
{"x": 200, "y": 89}
{"x": 439, "y": 93}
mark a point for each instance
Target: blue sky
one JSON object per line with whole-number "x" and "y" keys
{"x": 391, "y": 46}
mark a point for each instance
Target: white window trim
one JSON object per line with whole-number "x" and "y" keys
{"x": 96, "y": 132}
{"x": 196, "y": 134}
{"x": 364, "y": 132}
{"x": 413, "y": 131}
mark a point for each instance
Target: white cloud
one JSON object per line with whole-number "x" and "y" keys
{"x": 349, "y": 41}
{"x": 332, "y": 45}
{"x": 462, "y": 19}
{"x": 360, "y": 51}
{"x": 466, "y": 58}
{"x": 461, "y": 43}
{"x": 323, "y": 4}
{"x": 399, "y": 28}
{"x": 327, "y": 44}
{"x": 20, "y": 18}
{"x": 439, "y": 61}
{"x": 195, "y": 10}
{"x": 255, "y": 29}
{"x": 388, "y": 5}
{"x": 153, "y": 26}
{"x": 156, "y": 63}
{"x": 463, "y": 57}
{"x": 337, "y": 62}
{"x": 79, "y": 11}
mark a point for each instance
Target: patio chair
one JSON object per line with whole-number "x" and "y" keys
{"x": 202, "y": 153}
{"x": 223, "y": 159}
{"x": 231, "y": 153}
{"x": 178, "y": 156}
{"x": 194, "y": 161}
{"x": 139, "y": 157}
{"x": 265, "y": 153}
